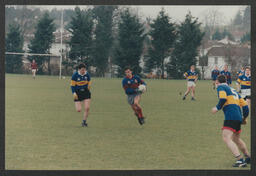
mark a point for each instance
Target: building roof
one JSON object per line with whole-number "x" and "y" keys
{"x": 233, "y": 51}
{"x": 227, "y": 41}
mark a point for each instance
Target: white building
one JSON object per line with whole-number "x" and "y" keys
{"x": 219, "y": 55}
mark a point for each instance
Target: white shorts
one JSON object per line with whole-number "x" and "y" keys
{"x": 33, "y": 70}
{"x": 245, "y": 92}
{"x": 191, "y": 84}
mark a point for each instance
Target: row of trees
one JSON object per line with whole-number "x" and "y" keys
{"x": 243, "y": 18}
{"x": 41, "y": 44}
{"x": 109, "y": 35}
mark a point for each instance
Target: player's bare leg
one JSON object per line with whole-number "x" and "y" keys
{"x": 193, "y": 92}
{"x": 137, "y": 105}
{"x": 248, "y": 102}
{"x": 138, "y": 109}
{"x": 34, "y": 74}
{"x": 78, "y": 106}
{"x": 186, "y": 93}
{"x": 213, "y": 83}
{"x": 134, "y": 108}
{"x": 227, "y": 136}
{"x": 237, "y": 87}
{"x": 241, "y": 145}
{"x": 86, "y": 108}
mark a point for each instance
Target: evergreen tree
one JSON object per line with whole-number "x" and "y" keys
{"x": 238, "y": 19}
{"x": 13, "y": 43}
{"x": 130, "y": 43}
{"x": 230, "y": 36}
{"x": 226, "y": 33}
{"x": 163, "y": 36}
{"x": 103, "y": 37}
{"x": 217, "y": 35}
{"x": 81, "y": 27}
{"x": 246, "y": 37}
{"x": 185, "y": 48}
{"x": 247, "y": 18}
{"x": 42, "y": 42}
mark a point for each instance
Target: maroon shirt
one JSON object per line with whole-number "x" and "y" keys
{"x": 34, "y": 66}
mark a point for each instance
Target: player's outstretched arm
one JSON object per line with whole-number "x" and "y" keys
{"x": 222, "y": 100}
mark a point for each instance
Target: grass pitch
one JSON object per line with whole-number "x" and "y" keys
{"x": 43, "y": 130}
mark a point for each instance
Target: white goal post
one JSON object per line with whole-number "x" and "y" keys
{"x": 37, "y": 54}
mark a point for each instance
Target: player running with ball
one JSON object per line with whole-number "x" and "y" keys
{"x": 134, "y": 87}
{"x": 80, "y": 86}
{"x": 230, "y": 102}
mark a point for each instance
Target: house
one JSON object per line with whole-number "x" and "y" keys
{"x": 233, "y": 55}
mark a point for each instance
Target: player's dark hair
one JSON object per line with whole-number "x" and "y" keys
{"x": 222, "y": 79}
{"x": 82, "y": 65}
{"x": 128, "y": 67}
{"x": 247, "y": 68}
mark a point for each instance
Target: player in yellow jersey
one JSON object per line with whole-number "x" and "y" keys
{"x": 191, "y": 76}
{"x": 231, "y": 102}
{"x": 80, "y": 86}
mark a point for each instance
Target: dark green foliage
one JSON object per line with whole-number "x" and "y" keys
{"x": 246, "y": 38}
{"x": 185, "y": 48}
{"x": 13, "y": 43}
{"x": 103, "y": 37}
{"x": 81, "y": 27}
{"x": 226, "y": 33}
{"x": 217, "y": 35}
{"x": 247, "y": 18}
{"x": 163, "y": 36}
{"x": 130, "y": 43}
{"x": 238, "y": 19}
{"x": 42, "y": 41}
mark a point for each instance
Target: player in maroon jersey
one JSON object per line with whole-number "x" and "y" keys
{"x": 34, "y": 68}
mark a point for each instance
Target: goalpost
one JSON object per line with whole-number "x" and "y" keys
{"x": 37, "y": 54}
{"x": 53, "y": 55}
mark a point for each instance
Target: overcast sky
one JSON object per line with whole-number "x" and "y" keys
{"x": 177, "y": 13}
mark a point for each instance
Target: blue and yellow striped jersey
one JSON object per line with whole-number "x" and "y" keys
{"x": 215, "y": 74}
{"x": 240, "y": 73}
{"x": 191, "y": 76}
{"x": 244, "y": 81}
{"x": 233, "y": 102}
{"x": 79, "y": 81}
{"x": 228, "y": 76}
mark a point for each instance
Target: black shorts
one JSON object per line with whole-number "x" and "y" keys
{"x": 83, "y": 94}
{"x": 233, "y": 125}
{"x": 247, "y": 97}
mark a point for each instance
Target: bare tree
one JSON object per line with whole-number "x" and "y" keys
{"x": 213, "y": 18}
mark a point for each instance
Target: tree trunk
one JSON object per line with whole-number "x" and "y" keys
{"x": 162, "y": 69}
{"x": 49, "y": 66}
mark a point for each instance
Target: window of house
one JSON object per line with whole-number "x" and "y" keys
{"x": 215, "y": 60}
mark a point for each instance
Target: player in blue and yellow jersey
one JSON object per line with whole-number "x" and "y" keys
{"x": 191, "y": 77}
{"x": 215, "y": 74}
{"x": 80, "y": 86}
{"x": 227, "y": 74}
{"x": 245, "y": 82}
{"x": 231, "y": 102}
{"x": 238, "y": 74}
{"x": 130, "y": 84}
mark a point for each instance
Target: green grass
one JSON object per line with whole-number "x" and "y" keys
{"x": 43, "y": 129}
